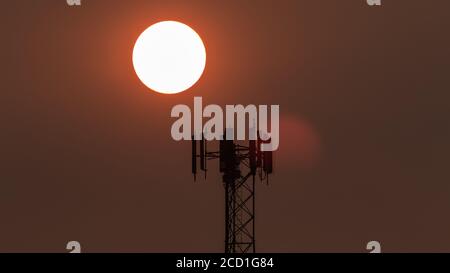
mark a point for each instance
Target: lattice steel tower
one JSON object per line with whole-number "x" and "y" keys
{"x": 239, "y": 165}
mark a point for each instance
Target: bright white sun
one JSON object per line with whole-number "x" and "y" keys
{"x": 169, "y": 57}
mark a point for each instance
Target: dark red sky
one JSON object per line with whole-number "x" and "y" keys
{"x": 86, "y": 152}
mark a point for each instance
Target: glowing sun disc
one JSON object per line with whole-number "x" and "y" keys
{"x": 169, "y": 57}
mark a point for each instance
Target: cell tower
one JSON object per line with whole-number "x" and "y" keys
{"x": 239, "y": 166}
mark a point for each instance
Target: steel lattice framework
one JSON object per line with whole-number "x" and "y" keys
{"x": 239, "y": 165}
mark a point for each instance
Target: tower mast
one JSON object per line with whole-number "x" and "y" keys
{"x": 239, "y": 166}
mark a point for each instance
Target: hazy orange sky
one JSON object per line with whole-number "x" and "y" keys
{"x": 87, "y": 153}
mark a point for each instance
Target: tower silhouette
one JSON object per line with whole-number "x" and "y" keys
{"x": 239, "y": 165}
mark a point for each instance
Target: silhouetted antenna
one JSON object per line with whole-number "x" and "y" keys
{"x": 267, "y": 163}
{"x": 258, "y": 152}
{"x": 267, "y": 160}
{"x": 202, "y": 154}
{"x": 239, "y": 190}
{"x": 226, "y": 155}
{"x": 194, "y": 157}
